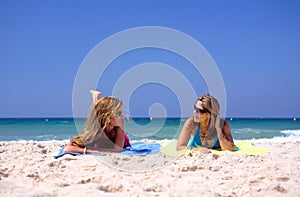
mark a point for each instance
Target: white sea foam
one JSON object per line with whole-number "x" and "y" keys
{"x": 291, "y": 132}
{"x": 292, "y": 136}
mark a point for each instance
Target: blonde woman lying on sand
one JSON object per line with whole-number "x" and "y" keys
{"x": 205, "y": 128}
{"x": 104, "y": 128}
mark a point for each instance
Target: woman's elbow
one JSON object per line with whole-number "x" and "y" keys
{"x": 118, "y": 149}
{"x": 181, "y": 147}
{"x": 229, "y": 147}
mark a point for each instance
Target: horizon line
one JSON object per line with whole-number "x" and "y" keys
{"x": 171, "y": 117}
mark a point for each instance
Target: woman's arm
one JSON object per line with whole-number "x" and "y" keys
{"x": 72, "y": 148}
{"x": 185, "y": 134}
{"x": 118, "y": 144}
{"x": 114, "y": 142}
{"x": 225, "y": 137}
{"x": 119, "y": 140}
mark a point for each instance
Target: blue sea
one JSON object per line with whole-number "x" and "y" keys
{"x": 49, "y": 129}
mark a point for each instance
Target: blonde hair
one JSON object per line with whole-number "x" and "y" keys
{"x": 211, "y": 105}
{"x": 100, "y": 115}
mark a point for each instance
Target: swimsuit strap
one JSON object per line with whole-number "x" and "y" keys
{"x": 198, "y": 131}
{"x": 195, "y": 140}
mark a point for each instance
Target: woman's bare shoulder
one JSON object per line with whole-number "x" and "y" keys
{"x": 189, "y": 123}
{"x": 224, "y": 123}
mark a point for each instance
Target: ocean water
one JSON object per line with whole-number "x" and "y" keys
{"x": 48, "y": 129}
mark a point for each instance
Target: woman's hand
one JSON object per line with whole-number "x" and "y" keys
{"x": 119, "y": 140}
{"x": 201, "y": 149}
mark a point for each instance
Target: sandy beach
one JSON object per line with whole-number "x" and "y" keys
{"x": 29, "y": 169}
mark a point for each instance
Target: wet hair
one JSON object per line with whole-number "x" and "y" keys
{"x": 100, "y": 115}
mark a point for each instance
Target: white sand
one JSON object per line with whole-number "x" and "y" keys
{"x": 29, "y": 169}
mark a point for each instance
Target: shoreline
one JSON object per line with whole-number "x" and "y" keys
{"x": 29, "y": 169}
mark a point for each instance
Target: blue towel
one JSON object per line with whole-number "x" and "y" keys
{"x": 141, "y": 148}
{"x": 137, "y": 148}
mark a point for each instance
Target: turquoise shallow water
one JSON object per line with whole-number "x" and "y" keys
{"x": 47, "y": 129}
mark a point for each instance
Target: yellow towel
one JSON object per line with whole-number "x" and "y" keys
{"x": 169, "y": 149}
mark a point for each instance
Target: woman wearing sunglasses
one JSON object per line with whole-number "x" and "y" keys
{"x": 205, "y": 128}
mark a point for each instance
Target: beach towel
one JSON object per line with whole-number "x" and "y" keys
{"x": 244, "y": 147}
{"x": 142, "y": 148}
{"x": 137, "y": 148}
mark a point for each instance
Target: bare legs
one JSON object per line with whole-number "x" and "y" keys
{"x": 95, "y": 95}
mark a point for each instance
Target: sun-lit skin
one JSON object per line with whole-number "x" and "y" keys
{"x": 196, "y": 115}
{"x": 112, "y": 136}
{"x": 203, "y": 119}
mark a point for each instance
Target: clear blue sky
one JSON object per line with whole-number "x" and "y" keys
{"x": 256, "y": 45}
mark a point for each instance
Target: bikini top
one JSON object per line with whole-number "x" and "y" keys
{"x": 195, "y": 140}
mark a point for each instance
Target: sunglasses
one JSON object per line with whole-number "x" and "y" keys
{"x": 200, "y": 111}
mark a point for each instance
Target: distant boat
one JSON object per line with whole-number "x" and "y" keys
{"x": 295, "y": 119}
